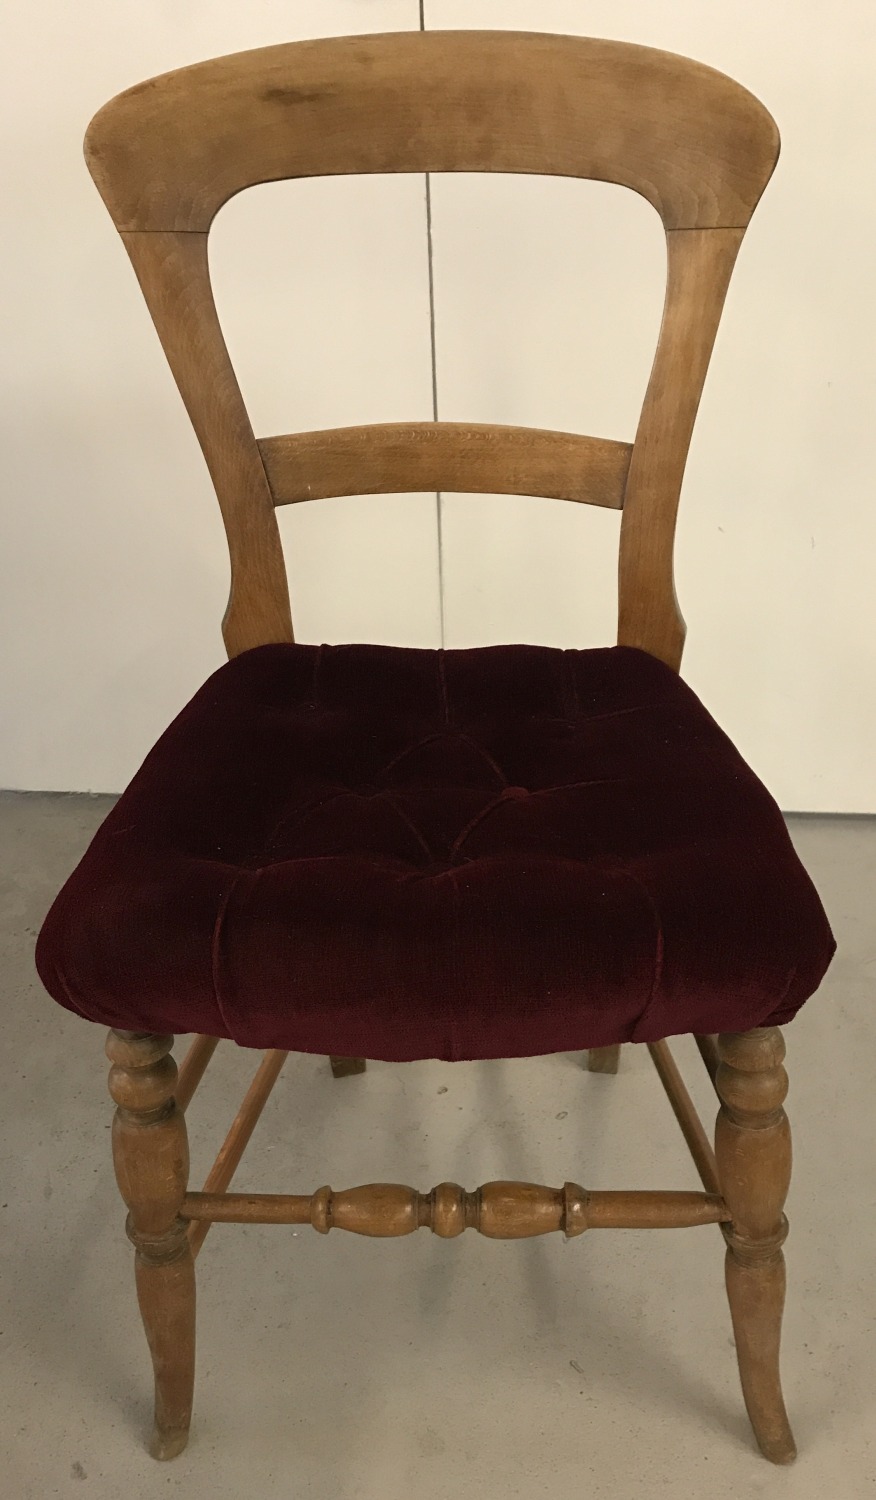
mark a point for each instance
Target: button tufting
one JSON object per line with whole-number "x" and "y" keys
{"x": 348, "y": 870}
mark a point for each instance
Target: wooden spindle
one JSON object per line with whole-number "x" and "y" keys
{"x": 151, "y": 1158}
{"x": 192, "y": 1069}
{"x": 500, "y": 1210}
{"x": 753, "y": 1148}
{"x": 683, "y": 1108}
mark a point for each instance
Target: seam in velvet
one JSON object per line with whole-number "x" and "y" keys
{"x": 439, "y": 735}
{"x": 483, "y": 752}
{"x": 436, "y": 738}
{"x": 253, "y": 863}
{"x": 454, "y": 1049}
{"x": 408, "y": 823}
{"x": 215, "y": 939}
{"x": 75, "y": 1005}
{"x": 785, "y": 988}
{"x": 442, "y": 687}
{"x": 474, "y": 822}
{"x": 659, "y": 949}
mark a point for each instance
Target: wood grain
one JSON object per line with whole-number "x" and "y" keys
{"x": 683, "y": 1108}
{"x": 192, "y": 1069}
{"x": 174, "y": 277}
{"x": 499, "y": 1210}
{"x": 700, "y": 263}
{"x": 168, "y": 153}
{"x": 235, "y": 1143}
{"x": 151, "y": 1158}
{"x": 453, "y": 457}
{"x": 753, "y": 1148}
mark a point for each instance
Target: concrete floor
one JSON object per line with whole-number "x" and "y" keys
{"x": 340, "y": 1367}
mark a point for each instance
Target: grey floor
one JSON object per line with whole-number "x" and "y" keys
{"x": 341, "y": 1367}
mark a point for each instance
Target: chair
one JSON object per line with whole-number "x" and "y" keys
{"x": 370, "y": 852}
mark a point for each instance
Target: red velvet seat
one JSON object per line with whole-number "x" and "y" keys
{"x": 401, "y": 853}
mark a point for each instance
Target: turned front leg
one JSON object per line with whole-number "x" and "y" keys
{"x": 151, "y": 1158}
{"x": 753, "y": 1151}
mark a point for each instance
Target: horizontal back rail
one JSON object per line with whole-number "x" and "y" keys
{"x": 396, "y": 457}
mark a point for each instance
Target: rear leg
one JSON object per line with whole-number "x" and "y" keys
{"x": 344, "y": 1067}
{"x": 603, "y": 1059}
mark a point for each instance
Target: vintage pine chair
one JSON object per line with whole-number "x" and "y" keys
{"x": 372, "y": 852}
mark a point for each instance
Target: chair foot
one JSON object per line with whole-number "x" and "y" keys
{"x": 345, "y": 1067}
{"x": 753, "y": 1151}
{"x": 603, "y": 1059}
{"x": 166, "y": 1294}
{"x": 150, "y": 1153}
{"x": 756, "y": 1294}
{"x": 167, "y": 1445}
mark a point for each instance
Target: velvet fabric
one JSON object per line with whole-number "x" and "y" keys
{"x": 391, "y": 853}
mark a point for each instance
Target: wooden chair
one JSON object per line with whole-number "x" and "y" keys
{"x": 166, "y": 155}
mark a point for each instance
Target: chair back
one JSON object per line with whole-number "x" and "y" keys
{"x": 168, "y": 153}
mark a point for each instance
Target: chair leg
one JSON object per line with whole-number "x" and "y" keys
{"x": 753, "y": 1150}
{"x": 603, "y": 1059}
{"x": 151, "y": 1158}
{"x": 345, "y": 1067}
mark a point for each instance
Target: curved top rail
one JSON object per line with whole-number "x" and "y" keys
{"x": 169, "y": 152}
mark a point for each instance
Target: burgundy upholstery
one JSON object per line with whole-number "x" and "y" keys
{"x": 395, "y": 853}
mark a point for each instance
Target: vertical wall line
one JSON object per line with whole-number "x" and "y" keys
{"x": 439, "y": 516}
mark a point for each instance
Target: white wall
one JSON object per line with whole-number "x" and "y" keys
{"x": 114, "y": 568}
{"x": 546, "y": 311}
{"x": 547, "y": 300}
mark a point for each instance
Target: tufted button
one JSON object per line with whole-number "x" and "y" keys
{"x": 514, "y": 793}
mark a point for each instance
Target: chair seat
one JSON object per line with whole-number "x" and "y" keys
{"x": 393, "y": 853}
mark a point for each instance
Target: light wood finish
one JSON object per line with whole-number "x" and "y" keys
{"x": 193, "y": 1068}
{"x": 753, "y": 1147}
{"x": 453, "y": 457}
{"x": 237, "y": 1139}
{"x": 699, "y": 266}
{"x": 499, "y": 1210}
{"x": 174, "y": 277}
{"x": 753, "y": 1158}
{"x": 151, "y": 1158}
{"x": 347, "y": 1067}
{"x": 708, "y": 1047}
{"x": 168, "y": 153}
{"x": 603, "y": 1059}
{"x": 683, "y": 1108}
